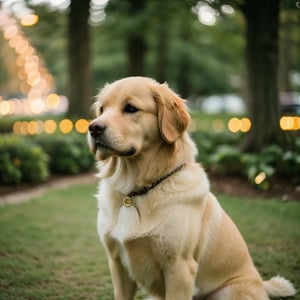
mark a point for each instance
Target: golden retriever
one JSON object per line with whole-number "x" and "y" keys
{"x": 161, "y": 226}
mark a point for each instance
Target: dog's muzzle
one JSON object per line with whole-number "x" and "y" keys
{"x": 96, "y": 130}
{"x": 100, "y": 141}
{"x": 97, "y": 133}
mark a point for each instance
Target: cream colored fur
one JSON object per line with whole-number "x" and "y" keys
{"x": 176, "y": 240}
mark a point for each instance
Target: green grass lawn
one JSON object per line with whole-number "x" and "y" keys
{"x": 49, "y": 247}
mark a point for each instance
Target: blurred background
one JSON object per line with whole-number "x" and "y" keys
{"x": 237, "y": 62}
{"x": 199, "y": 47}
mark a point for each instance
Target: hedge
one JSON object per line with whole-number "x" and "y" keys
{"x": 220, "y": 154}
{"x": 34, "y": 159}
{"x": 21, "y": 161}
{"x": 68, "y": 154}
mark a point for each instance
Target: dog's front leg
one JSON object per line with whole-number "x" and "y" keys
{"x": 180, "y": 279}
{"x": 124, "y": 286}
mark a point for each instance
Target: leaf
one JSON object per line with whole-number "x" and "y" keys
{"x": 267, "y": 169}
{"x": 252, "y": 172}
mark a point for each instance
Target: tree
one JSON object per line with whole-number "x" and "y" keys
{"x": 164, "y": 40}
{"x": 162, "y": 27}
{"x": 79, "y": 70}
{"x": 262, "y": 62}
{"x": 184, "y": 63}
{"x": 289, "y": 42}
{"x": 136, "y": 44}
{"x": 262, "y": 59}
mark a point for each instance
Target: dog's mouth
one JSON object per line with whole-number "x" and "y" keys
{"x": 103, "y": 146}
{"x": 99, "y": 143}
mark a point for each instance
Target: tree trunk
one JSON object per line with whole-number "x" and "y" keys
{"x": 162, "y": 53}
{"x": 136, "y": 45}
{"x": 184, "y": 64}
{"x": 79, "y": 70}
{"x": 162, "y": 28}
{"x": 286, "y": 54}
{"x": 262, "y": 22}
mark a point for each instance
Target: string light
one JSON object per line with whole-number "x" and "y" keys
{"x": 290, "y": 123}
{"x": 36, "y": 82}
{"x": 29, "y": 20}
{"x": 236, "y": 125}
{"x": 50, "y": 126}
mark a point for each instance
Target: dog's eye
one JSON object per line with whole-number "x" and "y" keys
{"x": 101, "y": 110}
{"x": 130, "y": 109}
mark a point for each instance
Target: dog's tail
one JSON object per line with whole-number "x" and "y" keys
{"x": 279, "y": 287}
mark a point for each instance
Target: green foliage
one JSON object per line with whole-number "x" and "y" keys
{"x": 32, "y": 159}
{"x": 220, "y": 154}
{"x": 264, "y": 163}
{"x": 226, "y": 159}
{"x": 214, "y": 148}
{"x": 290, "y": 163}
{"x": 6, "y": 125}
{"x": 210, "y": 67}
{"x": 68, "y": 154}
{"x": 21, "y": 161}
{"x": 272, "y": 160}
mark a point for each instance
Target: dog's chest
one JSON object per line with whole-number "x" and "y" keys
{"x": 142, "y": 258}
{"x": 127, "y": 224}
{"x": 129, "y": 232}
{"x": 122, "y": 222}
{"x": 114, "y": 219}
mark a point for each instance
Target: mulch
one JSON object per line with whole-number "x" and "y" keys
{"x": 280, "y": 188}
{"x": 283, "y": 189}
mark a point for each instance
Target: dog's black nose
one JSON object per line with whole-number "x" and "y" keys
{"x": 96, "y": 129}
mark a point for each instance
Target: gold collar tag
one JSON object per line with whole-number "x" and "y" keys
{"x": 127, "y": 201}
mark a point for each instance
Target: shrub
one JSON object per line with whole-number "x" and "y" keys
{"x": 6, "y": 125}
{"x": 220, "y": 154}
{"x": 226, "y": 159}
{"x": 68, "y": 154}
{"x": 87, "y": 161}
{"x": 214, "y": 147}
{"x": 21, "y": 161}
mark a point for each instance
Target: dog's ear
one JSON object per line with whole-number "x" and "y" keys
{"x": 173, "y": 118}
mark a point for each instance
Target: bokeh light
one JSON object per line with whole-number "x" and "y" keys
{"x": 29, "y": 20}
{"x": 66, "y": 126}
{"x": 52, "y": 100}
{"x": 218, "y": 125}
{"x": 36, "y": 82}
{"x": 260, "y": 178}
{"x": 17, "y": 127}
{"x": 290, "y": 123}
{"x": 245, "y": 125}
{"x": 236, "y": 125}
{"x": 4, "y": 108}
{"x": 32, "y": 127}
{"x": 207, "y": 15}
{"x": 81, "y": 126}
{"x": 50, "y": 126}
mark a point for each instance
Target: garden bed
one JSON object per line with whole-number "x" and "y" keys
{"x": 282, "y": 189}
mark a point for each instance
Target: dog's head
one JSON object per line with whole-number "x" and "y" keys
{"x": 134, "y": 113}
